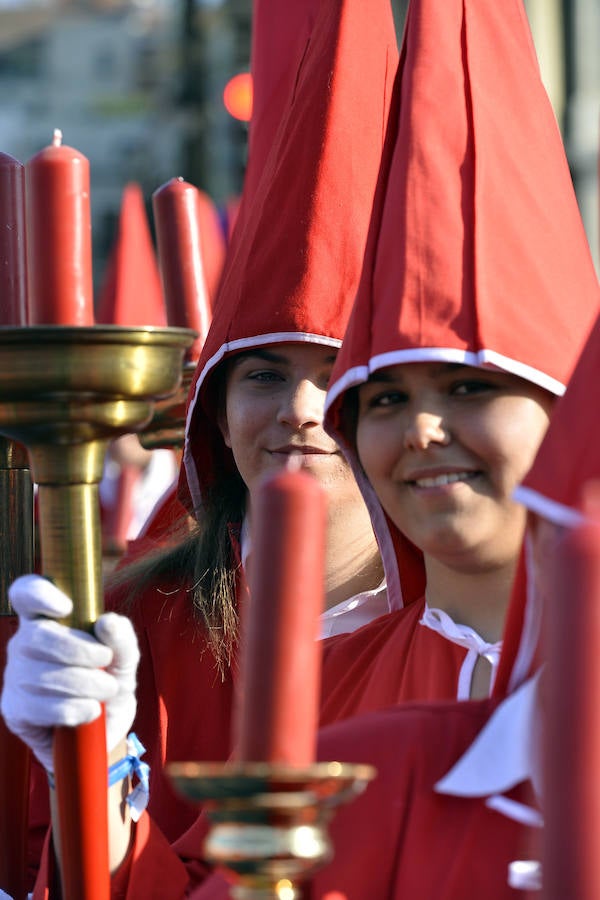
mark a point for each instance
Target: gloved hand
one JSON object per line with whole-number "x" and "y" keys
{"x": 57, "y": 675}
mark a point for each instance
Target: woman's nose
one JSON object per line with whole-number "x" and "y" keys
{"x": 303, "y": 405}
{"x": 425, "y": 428}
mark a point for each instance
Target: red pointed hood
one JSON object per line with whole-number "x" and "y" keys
{"x": 280, "y": 36}
{"x": 132, "y": 293}
{"x": 562, "y": 490}
{"x": 280, "y": 33}
{"x": 476, "y": 251}
{"x": 294, "y": 263}
{"x": 569, "y": 455}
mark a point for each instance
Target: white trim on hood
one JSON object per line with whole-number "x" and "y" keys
{"x": 480, "y": 359}
{"x": 531, "y": 628}
{"x": 549, "y": 509}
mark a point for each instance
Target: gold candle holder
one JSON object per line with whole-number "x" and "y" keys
{"x": 166, "y": 428}
{"x": 269, "y": 822}
{"x": 65, "y": 393}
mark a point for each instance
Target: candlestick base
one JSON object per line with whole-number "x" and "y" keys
{"x": 269, "y": 822}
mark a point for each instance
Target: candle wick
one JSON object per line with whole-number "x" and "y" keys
{"x": 57, "y": 137}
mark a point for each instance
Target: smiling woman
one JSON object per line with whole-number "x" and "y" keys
{"x": 444, "y": 446}
{"x": 274, "y": 404}
{"x": 475, "y": 299}
{"x": 272, "y": 409}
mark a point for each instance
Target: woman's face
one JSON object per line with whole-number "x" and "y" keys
{"x": 444, "y": 445}
{"x": 274, "y": 402}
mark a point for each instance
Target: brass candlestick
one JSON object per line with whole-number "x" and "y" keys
{"x": 269, "y": 822}
{"x": 65, "y": 392}
{"x": 166, "y": 428}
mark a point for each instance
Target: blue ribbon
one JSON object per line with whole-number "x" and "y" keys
{"x": 130, "y": 766}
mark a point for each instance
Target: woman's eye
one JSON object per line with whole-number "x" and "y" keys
{"x": 383, "y": 399}
{"x": 323, "y": 380}
{"x": 472, "y": 386}
{"x": 264, "y": 375}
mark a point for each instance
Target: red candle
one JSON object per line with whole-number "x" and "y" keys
{"x": 13, "y": 280}
{"x": 176, "y": 207}
{"x": 59, "y": 236}
{"x": 571, "y": 864}
{"x": 277, "y": 711}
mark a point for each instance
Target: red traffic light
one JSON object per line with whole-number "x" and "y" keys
{"x": 237, "y": 96}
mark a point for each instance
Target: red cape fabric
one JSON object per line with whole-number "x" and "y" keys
{"x": 398, "y": 839}
{"x": 392, "y": 660}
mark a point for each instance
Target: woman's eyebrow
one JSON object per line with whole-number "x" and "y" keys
{"x": 270, "y": 356}
{"x": 265, "y": 355}
{"x": 386, "y": 376}
{"x": 380, "y": 377}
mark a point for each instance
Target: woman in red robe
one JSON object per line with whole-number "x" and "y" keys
{"x": 499, "y": 347}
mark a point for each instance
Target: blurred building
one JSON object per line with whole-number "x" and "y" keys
{"x": 105, "y": 73}
{"x": 136, "y": 85}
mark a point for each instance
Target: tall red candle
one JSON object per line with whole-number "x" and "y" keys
{"x": 276, "y": 714}
{"x": 59, "y": 236}
{"x": 176, "y": 207}
{"x": 571, "y": 863}
{"x": 13, "y": 279}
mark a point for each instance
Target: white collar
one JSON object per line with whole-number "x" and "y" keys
{"x": 504, "y": 752}
{"x": 354, "y": 612}
{"x": 464, "y": 636}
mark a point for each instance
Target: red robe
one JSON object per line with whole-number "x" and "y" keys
{"x": 184, "y": 704}
{"x": 399, "y": 839}
{"x": 391, "y": 660}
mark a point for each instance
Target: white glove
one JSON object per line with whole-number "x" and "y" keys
{"x": 57, "y": 675}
